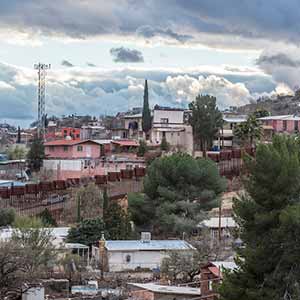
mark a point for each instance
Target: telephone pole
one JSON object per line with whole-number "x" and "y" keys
{"x": 41, "y": 70}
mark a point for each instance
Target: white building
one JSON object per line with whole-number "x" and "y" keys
{"x": 227, "y": 225}
{"x": 170, "y": 123}
{"x": 132, "y": 254}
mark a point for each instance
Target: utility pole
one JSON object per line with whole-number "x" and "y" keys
{"x": 41, "y": 70}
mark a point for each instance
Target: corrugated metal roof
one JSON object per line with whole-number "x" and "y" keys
{"x": 56, "y": 232}
{"x": 167, "y": 289}
{"x": 214, "y": 222}
{"x": 152, "y": 245}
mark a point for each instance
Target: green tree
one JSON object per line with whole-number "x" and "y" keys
{"x": 146, "y": 118}
{"x": 260, "y": 113}
{"x": 117, "y": 222}
{"x": 140, "y": 210}
{"x": 248, "y": 132}
{"x": 180, "y": 189}
{"x": 269, "y": 219}
{"x": 47, "y": 218}
{"x": 36, "y": 154}
{"x": 142, "y": 149}
{"x": 206, "y": 120}
{"x": 7, "y": 216}
{"x": 164, "y": 145}
{"x": 87, "y": 232}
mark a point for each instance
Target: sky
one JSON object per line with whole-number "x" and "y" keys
{"x": 102, "y": 51}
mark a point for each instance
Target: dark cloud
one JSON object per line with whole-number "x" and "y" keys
{"x": 89, "y": 64}
{"x": 126, "y": 55}
{"x": 149, "y": 32}
{"x": 178, "y": 20}
{"x": 283, "y": 64}
{"x": 66, "y": 63}
{"x": 280, "y": 59}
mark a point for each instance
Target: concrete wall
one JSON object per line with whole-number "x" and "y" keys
{"x": 183, "y": 140}
{"x": 174, "y": 116}
{"x": 76, "y": 168}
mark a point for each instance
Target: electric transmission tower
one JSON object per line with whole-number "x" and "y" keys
{"x": 41, "y": 69}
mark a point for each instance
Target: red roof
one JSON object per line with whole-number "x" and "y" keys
{"x": 215, "y": 271}
{"x": 126, "y": 143}
{"x": 67, "y": 142}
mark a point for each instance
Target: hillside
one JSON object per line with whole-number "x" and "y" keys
{"x": 281, "y": 105}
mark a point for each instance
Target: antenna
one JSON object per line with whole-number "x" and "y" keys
{"x": 41, "y": 70}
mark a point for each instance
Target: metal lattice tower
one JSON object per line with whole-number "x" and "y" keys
{"x": 41, "y": 68}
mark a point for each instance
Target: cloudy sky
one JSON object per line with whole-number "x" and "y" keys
{"x": 101, "y": 51}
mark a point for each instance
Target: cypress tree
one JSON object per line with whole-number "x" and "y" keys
{"x": 105, "y": 201}
{"x": 146, "y": 118}
{"x": 19, "y": 135}
{"x": 269, "y": 219}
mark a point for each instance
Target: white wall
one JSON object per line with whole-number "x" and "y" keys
{"x": 65, "y": 164}
{"x": 174, "y": 116}
{"x": 144, "y": 259}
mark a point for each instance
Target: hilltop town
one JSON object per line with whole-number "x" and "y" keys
{"x": 126, "y": 205}
{"x": 149, "y": 150}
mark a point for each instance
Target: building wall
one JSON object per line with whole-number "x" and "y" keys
{"x": 144, "y": 259}
{"x": 183, "y": 140}
{"x": 76, "y": 168}
{"x": 174, "y": 116}
{"x": 89, "y": 150}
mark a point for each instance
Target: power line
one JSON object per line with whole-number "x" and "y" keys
{"x": 41, "y": 70}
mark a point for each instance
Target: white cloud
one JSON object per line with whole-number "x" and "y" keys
{"x": 100, "y": 91}
{"x": 186, "y": 88}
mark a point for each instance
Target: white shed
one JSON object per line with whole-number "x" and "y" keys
{"x": 133, "y": 254}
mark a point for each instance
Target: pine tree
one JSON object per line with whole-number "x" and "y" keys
{"x": 206, "y": 120}
{"x": 47, "y": 218}
{"x": 117, "y": 222}
{"x": 146, "y": 118}
{"x": 269, "y": 220}
{"x": 36, "y": 154}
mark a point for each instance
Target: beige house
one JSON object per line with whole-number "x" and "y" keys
{"x": 169, "y": 123}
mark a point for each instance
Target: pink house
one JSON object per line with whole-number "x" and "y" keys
{"x": 70, "y": 149}
{"x": 285, "y": 123}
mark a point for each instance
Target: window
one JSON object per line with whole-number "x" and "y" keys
{"x": 284, "y": 125}
{"x": 66, "y": 148}
{"x": 296, "y": 125}
{"x": 164, "y": 134}
{"x": 128, "y": 258}
{"x": 79, "y": 148}
{"x": 51, "y": 148}
{"x": 164, "y": 120}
